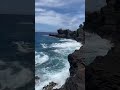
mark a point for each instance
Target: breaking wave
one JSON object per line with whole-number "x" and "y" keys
{"x": 52, "y": 64}
{"x": 41, "y": 58}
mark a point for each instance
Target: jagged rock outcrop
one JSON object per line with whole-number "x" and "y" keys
{"x": 77, "y": 35}
{"x": 50, "y": 86}
{"x": 104, "y": 73}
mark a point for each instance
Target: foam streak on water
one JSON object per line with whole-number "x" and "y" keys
{"x": 51, "y": 61}
{"x": 41, "y": 58}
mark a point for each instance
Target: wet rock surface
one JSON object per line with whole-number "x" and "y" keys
{"x": 50, "y": 86}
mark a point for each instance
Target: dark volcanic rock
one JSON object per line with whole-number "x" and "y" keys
{"x": 104, "y": 73}
{"x": 77, "y": 35}
{"x": 60, "y": 31}
{"x": 50, "y": 86}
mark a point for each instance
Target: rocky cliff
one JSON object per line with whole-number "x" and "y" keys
{"x": 104, "y": 73}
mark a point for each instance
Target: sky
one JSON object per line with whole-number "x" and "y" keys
{"x": 51, "y": 15}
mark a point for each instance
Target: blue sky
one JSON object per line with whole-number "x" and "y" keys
{"x": 51, "y": 15}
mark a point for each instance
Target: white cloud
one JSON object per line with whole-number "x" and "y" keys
{"x": 39, "y": 10}
{"x": 60, "y": 20}
{"x": 49, "y": 3}
{"x": 69, "y": 16}
{"x": 55, "y": 3}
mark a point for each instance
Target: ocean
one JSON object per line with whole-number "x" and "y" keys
{"x": 51, "y": 59}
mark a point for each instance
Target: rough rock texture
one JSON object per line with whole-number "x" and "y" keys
{"x": 104, "y": 73}
{"x": 77, "y": 35}
{"x": 50, "y": 86}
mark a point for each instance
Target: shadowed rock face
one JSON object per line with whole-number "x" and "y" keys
{"x": 104, "y": 73}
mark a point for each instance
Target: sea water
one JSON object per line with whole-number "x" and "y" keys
{"x": 51, "y": 59}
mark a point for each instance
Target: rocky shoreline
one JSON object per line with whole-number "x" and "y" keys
{"x": 103, "y": 72}
{"x": 77, "y": 35}
{"x": 76, "y": 80}
{"x": 79, "y": 60}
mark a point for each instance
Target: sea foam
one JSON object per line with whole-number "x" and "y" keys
{"x": 41, "y": 58}
{"x": 44, "y": 45}
{"x": 64, "y": 47}
{"x": 67, "y": 45}
{"x": 56, "y": 77}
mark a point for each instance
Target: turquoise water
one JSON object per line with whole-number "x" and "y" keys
{"x": 51, "y": 63}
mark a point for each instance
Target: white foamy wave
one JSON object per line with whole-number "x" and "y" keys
{"x": 41, "y": 58}
{"x": 63, "y": 49}
{"x": 44, "y": 45}
{"x": 57, "y": 77}
{"x": 66, "y": 40}
{"x": 69, "y": 44}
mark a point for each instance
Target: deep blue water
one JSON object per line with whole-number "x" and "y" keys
{"x": 51, "y": 63}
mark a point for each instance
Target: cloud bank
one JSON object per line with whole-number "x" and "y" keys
{"x": 59, "y": 13}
